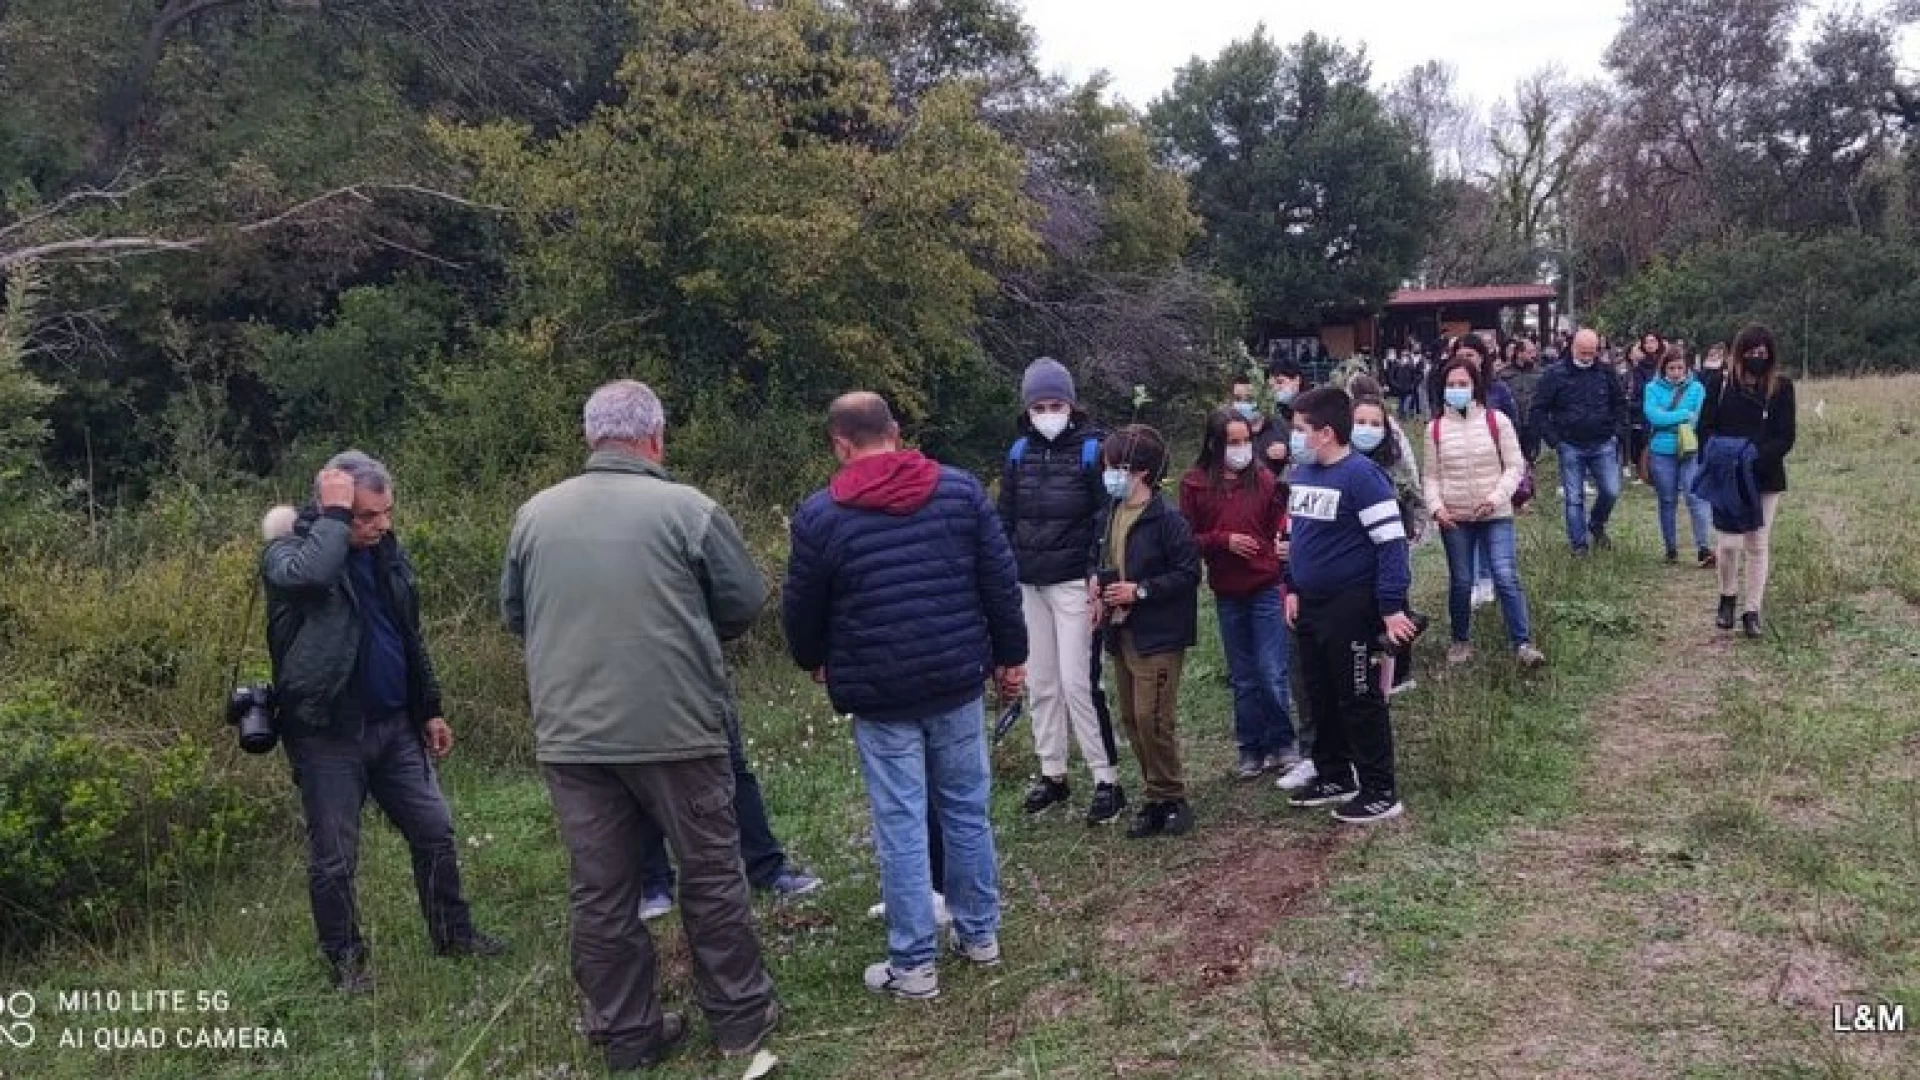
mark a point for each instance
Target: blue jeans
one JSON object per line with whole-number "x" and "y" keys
{"x": 1672, "y": 481}
{"x": 1254, "y": 636}
{"x": 1578, "y": 464}
{"x": 906, "y": 762}
{"x": 1494, "y": 540}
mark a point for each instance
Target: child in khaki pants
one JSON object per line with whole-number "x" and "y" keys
{"x": 1148, "y": 585}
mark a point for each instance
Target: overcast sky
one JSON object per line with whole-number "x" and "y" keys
{"x": 1490, "y": 43}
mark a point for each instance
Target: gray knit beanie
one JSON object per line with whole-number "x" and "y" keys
{"x": 1047, "y": 379}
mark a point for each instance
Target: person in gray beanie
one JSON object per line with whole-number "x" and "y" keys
{"x": 1050, "y": 495}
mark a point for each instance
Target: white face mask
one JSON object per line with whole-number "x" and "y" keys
{"x": 1049, "y": 424}
{"x": 1239, "y": 457}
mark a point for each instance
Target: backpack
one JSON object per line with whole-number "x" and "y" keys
{"x": 1523, "y": 494}
{"x": 1089, "y": 452}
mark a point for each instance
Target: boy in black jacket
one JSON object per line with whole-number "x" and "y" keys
{"x": 1149, "y": 583}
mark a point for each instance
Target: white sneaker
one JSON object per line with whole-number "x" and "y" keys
{"x": 1482, "y": 593}
{"x": 655, "y": 907}
{"x": 941, "y": 916}
{"x": 984, "y": 953}
{"x": 913, "y": 984}
{"x": 1299, "y": 776}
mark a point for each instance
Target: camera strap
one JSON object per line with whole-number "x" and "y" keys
{"x": 239, "y": 647}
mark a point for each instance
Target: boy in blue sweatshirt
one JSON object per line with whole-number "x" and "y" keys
{"x": 1347, "y": 578}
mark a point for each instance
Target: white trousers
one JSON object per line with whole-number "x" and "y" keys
{"x": 1060, "y": 680}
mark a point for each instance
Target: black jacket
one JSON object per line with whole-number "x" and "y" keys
{"x": 1771, "y": 425}
{"x": 1162, "y": 556}
{"x": 1275, "y": 432}
{"x": 1584, "y": 406}
{"x": 1048, "y": 502}
{"x": 314, "y": 626}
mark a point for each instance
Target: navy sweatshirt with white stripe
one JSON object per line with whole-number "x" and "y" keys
{"x": 1347, "y": 533}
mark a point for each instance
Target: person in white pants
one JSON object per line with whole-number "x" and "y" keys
{"x": 1050, "y": 496}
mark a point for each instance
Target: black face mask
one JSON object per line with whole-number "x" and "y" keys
{"x": 1759, "y": 365}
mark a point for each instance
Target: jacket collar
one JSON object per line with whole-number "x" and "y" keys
{"x": 619, "y": 461}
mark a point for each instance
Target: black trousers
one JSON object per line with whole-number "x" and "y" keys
{"x": 336, "y": 773}
{"x": 1336, "y": 637}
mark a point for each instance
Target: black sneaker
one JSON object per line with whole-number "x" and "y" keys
{"x": 630, "y": 1058}
{"x": 1708, "y": 560}
{"x": 1750, "y": 626}
{"x": 1045, "y": 794}
{"x": 1108, "y": 802}
{"x": 1177, "y": 819}
{"x": 1601, "y": 541}
{"x": 1724, "y": 619}
{"x": 1325, "y": 792}
{"x": 351, "y": 975}
{"x": 1580, "y": 551}
{"x": 1147, "y": 821}
{"x": 474, "y": 944}
{"x": 1673, "y": 557}
{"x": 1369, "y": 807}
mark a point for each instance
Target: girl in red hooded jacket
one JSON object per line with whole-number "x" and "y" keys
{"x": 1235, "y": 510}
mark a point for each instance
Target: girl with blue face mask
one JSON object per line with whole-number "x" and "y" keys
{"x": 1380, "y": 441}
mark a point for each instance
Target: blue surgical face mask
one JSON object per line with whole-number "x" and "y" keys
{"x": 1299, "y": 446}
{"x": 1368, "y": 437}
{"x": 1247, "y": 410}
{"x": 1118, "y": 482}
{"x": 1459, "y": 397}
{"x": 1285, "y": 397}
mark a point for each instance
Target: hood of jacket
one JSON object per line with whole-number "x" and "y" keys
{"x": 897, "y": 483}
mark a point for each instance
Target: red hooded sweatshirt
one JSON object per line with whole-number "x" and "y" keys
{"x": 897, "y": 483}
{"x": 1215, "y": 514}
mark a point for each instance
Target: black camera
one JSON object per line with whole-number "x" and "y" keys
{"x": 251, "y": 710}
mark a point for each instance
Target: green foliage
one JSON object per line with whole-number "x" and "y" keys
{"x": 94, "y": 822}
{"x": 23, "y": 427}
{"x": 1837, "y": 303}
{"x": 1314, "y": 198}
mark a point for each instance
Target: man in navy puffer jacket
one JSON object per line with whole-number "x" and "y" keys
{"x": 902, "y": 596}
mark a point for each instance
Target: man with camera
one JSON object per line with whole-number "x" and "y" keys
{"x": 358, "y": 706}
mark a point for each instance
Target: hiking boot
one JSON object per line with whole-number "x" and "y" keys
{"x": 1147, "y": 821}
{"x": 1325, "y": 792}
{"x": 1708, "y": 560}
{"x": 1459, "y": 653}
{"x": 793, "y": 883}
{"x": 1108, "y": 802}
{"x": 769, "y": 1020}
{"x": 352, "y": 975}
{"x": 1724, "y": 619}
{"x": 656, "y": 906}
{"x": 984, "y": 953}
{"x": 912, "y": 984}
{"x": 1045, "y": 794}
{"x": 1750, "y": 626}
{"x": 631, "y": 1058}
{"x": 1176, "y": 818}
{"x": 1250, "y": 767}
{"x": 475, "y": 944}
{"x": 1530, "y": 656}
{"x": 1369, "y": 807}
{"x": 1299, "y": 776}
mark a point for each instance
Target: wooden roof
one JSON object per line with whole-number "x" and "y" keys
{"x": 1477, "y": 294}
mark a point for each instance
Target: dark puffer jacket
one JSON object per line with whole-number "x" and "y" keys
{"x": 901, "y": 585}
{"x": 1048, "y": 502}
{"x": 1584, "y": 406}
{"x": 314, "y": 626}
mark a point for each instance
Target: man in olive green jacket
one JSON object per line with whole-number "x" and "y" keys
{"x": 623, "y": 584}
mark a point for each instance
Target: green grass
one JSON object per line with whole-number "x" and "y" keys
{"x": 1603, "y": 870}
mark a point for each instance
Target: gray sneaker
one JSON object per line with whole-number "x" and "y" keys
{"x": 913, "y": 984}
{"x": 985, "y": 952}
{"x": 1250, "y": 767}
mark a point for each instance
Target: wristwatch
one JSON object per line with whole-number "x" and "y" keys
{"x": 1139, "y": 592}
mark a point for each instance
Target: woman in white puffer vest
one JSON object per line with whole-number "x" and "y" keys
{"x": 1473, "y": 468}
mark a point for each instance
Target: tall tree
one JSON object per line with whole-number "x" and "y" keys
{"x": 1313, "y": 196}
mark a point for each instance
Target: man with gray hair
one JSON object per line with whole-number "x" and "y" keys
{"x": 623, "y": 585}
{"x": 358, "y": 706}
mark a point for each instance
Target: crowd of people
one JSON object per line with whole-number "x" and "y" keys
{"x": 909, "y": 590}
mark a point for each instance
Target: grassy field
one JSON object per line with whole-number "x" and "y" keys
{"x": 1668, "y": 855}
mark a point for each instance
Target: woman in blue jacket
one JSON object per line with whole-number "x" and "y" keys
{"x": 1671, "y": 405}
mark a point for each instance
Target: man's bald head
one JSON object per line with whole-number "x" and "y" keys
{"x": 1586, "y": 346}
{"x": 862, "y": 422}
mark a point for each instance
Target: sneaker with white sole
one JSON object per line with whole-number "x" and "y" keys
{"x": 1459, "y": 653}
{"x": 911, "y": 984}
{"x": 1369, "y": 807}
{"x": 1530, "y": 656}
{"x": 655, "y": 907}
{"x": 941, "y": 916}
{"x": 985, "y": 953}
{"x": 1325, "y": 792}
{"x": 1299, "y": 776}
